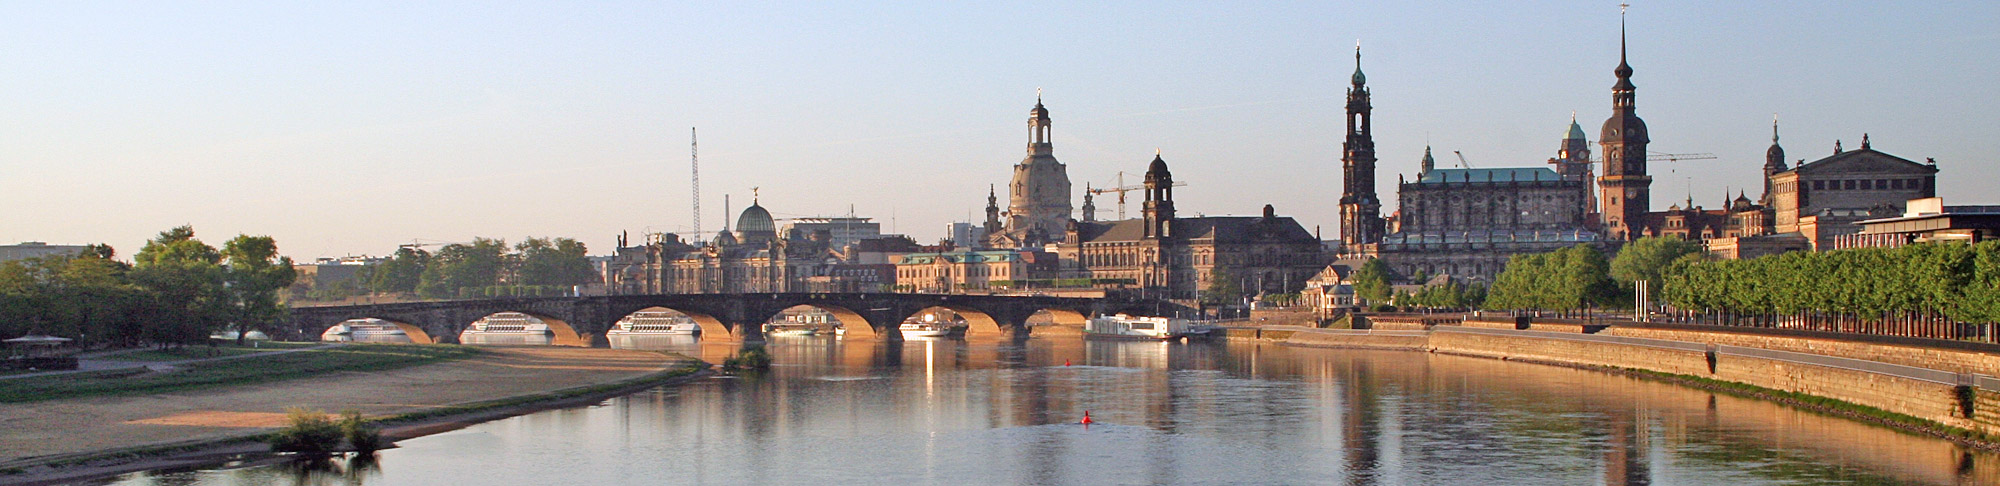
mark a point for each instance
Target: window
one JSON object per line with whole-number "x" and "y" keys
{"x": 1849, "y": 185}
{"x": 1881, "y": 184}
{"x": 1896, "y": 184}
{"x": 1818, "y": 185}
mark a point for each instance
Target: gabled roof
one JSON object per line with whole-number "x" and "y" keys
{"x": 1221, "y": 229}
{"x": 1505, "y": 174}
{"x": 1864, "y": 160}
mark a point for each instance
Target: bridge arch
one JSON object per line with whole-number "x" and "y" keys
{"x": 853, "y": 324}
{"x": 416, "y": 333}
{"x": 561, "y": 333}
{"x": 712, "y": 327}
{"x": 1055, "y": 321}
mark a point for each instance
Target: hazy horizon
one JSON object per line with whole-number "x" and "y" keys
{"x": 351, "y": 128}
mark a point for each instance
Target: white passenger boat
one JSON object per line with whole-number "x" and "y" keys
{"x": 509, "y": 323}
{"x": 928, "y": 326}
{"x": 655, "y": 322}
{"x": 1137, "y": 327}
{"x": 792, "y": 331}
{"x": 362, "y": 330}
{"x": 923, "y": 330}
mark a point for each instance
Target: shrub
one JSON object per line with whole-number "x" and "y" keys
{"x": 749, "y": 359}
{"x": 306, "y": 432}
{"x": 361, "y": 436}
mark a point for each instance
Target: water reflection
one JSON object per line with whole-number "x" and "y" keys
{"x": 956, "y": 411}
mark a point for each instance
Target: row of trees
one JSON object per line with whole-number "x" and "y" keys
{"x": 178, "y": 290}
{"x": 1957, "y": 280}
{"x": 1580, "y": 277}
{"x": 484, "y": 264}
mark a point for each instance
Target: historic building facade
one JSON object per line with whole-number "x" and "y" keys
{"x": 1177, "y": 258}
{"x": 1828, "y": 197}
{"x": 1038, "y": 207}
{"x": 1466, "y": 223}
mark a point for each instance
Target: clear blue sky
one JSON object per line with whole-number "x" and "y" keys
{"x": 349, "y": 127}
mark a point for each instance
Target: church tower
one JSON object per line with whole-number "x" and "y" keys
{"x": 992, "y": 212}
{"x": 1572, "y": 162}
{"x": 1159, "y": 206}
{"x": 1038, "y": 208}
{"x": 1360, "y": 211}
{"x": 1774, "y": 162}
{"x": 1625, "y": 187}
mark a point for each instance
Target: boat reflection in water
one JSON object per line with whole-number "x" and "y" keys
{"x": 998, "y": 411}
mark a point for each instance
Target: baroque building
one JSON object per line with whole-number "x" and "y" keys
{"x": 1167, "y": 255}
{"x": 1466, "y": 223}
{"x": 1038, "y": 207}
{"x": 1828, "y": 197}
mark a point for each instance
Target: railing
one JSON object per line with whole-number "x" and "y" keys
{"x": 1924, "y": 325}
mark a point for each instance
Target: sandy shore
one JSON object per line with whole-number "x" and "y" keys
{"x": 65, "y": 427}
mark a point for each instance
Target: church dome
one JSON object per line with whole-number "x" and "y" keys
{"x": 756, "y": 224}
{"x": 1158, "y": 169}
{"x": 725, "y": 238}
{"x": 1575, "y": 130}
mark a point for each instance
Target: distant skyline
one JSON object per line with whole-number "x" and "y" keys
{"x": 350, "y": 128}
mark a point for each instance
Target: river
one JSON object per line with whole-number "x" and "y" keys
{"x": 957, "y": 412}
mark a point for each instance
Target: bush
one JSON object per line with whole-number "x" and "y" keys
{"x": 361, "y": 436}
{"x": 306, "y": 432}
{"x": 749, "y": 359}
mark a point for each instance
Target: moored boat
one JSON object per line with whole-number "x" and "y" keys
{"x": 1137, "y": 327}
{"x": 655, "y": 322}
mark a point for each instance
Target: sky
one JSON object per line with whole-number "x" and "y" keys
{"x": 346, "y": 128}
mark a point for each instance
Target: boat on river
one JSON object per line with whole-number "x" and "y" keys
{"x": 362, "y": 330}
{"x": 655, "y": 322}
{"x": 923, "y": 330}
{"x": 1137, "y": 327}
{"x": 791, "y": 331}
{"x": 509, "y": 323}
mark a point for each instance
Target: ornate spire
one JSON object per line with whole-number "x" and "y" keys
{"x": 1429, "y": 162}
{"x": 1358, "y": 78}
{"x": 1774, "y": 129}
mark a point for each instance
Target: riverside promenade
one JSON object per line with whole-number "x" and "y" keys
{"x": 1945, "y": 388}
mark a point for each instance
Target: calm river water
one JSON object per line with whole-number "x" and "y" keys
{"x": 953, "y": 412}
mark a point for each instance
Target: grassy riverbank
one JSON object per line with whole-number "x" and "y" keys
{"x": 517, "y": 381}
{"x": 249, "y": 370}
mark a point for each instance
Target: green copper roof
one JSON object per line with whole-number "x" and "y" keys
{"x": 1575, "y": 131}
{"x": 1511, "y": 174}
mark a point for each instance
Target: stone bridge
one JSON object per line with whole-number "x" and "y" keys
{"x": 578, "y": 321}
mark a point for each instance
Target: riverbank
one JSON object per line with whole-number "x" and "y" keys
{"x": 1950, "y": 403}
{"x": 66, "y": 440}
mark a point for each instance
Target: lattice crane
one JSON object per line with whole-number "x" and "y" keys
{"x": 1121, "y": 189}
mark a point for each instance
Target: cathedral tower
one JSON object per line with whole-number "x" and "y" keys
{"x": 1360, "y": 210}
{"x": 1625, "y": 186}
{"x": 1038, "y": 208}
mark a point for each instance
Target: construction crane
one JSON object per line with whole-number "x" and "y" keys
{"x": 419, "y": 244}
{"x": 694, "y": 160}
{"x": 1461, "y": 159}
{"x": 1121, "y": 189}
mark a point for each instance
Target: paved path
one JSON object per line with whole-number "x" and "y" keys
{"x": 96, "y": 363}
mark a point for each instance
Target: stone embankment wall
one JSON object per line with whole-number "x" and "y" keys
{"x": 1930, "y": 384}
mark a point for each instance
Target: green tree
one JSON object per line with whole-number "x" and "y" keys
{"x": 560, "y": 262}
{"x": 1223, "y": 289}
{"x": 184, "y": 281}
{"x": 1371, "y": 282}
{"x": 254, "y": 273}
{"x": 402, "y": 272}
{"x": 463, "y": 266}
{"x": 1648, "y": 258}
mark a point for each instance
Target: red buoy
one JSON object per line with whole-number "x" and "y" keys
{"x": 1086, "y": 418}
{"x": 1065, "y": 362}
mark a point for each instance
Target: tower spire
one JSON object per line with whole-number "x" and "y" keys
{"x": 1360, "y": 211}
